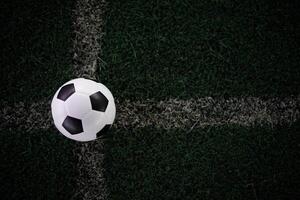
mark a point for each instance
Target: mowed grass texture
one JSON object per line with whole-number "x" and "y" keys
{"x": 36, "y": 48}
{"x": 229, "y": 162}
{"x": 190, "y": 48}
{"x": 35, "y": 60}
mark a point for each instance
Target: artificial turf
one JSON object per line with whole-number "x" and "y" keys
{"x": 36, "y": 43}
{"x": 35, "y": 59}
{"x": 228, "y": 162}
{"x": 188, "y": 49}
{"x": 191, "y": 48}
{"x": 157, "y": 50}
{"x": 36, "y": 165}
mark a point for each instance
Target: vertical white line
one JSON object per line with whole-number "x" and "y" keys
{"x": 88, "y": 28}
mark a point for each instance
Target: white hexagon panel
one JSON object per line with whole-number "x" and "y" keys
{"x": 78, "y": 105}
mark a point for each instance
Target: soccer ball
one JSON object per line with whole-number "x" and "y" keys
{"x": 83, "y": 110}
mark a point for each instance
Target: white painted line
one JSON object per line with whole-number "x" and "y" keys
{"x": 171, "y": 113}
{"x": 88, "y": 28}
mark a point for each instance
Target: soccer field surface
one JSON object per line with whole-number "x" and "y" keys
{"x": 187, "y": 49}
{"x": 207, "y": 96}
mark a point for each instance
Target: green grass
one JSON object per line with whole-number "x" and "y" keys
{"x": 190, "y": 48}
{"x": 213, "y": 163}
{"x": 35, "y": 60}
{"x": 187, "y": 49}
{"x": 157, "y": 50}
{"x": 36, "y": 42}
{"x": 36, "y": 165}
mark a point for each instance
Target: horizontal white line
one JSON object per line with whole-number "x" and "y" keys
{"x": 207, "y": 111}
{"x": 168, "y": 114}
{"x": 171, "y": 113}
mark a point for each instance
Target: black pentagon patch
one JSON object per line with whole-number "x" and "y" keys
{"x": 99, "y": 101}
{"x": 104, "y": 130}
{"x": 66, "y": 91}
{"x": 72, "y": 125}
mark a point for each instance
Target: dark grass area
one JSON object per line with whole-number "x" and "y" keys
{"x": 35, "y": 60}
{"x": 190, "y": 48}
{"x": 212, "y": 163}
{"x": 36, "y": 165}
{"x": 36, "y": 43}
